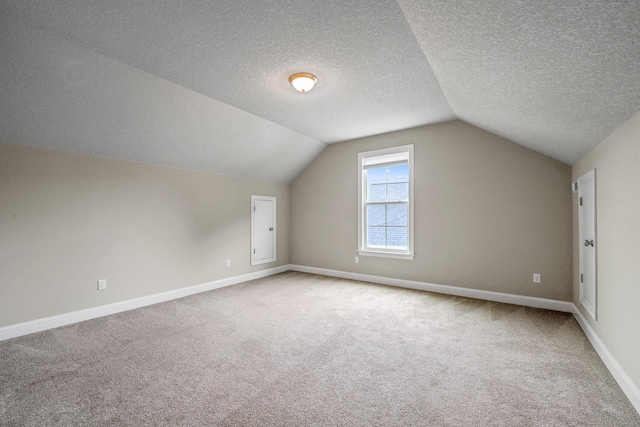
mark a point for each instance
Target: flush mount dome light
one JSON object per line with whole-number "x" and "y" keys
{"x": 303, "y": 82}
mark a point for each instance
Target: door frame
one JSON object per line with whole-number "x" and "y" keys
{"x": 253, "y": 230}
{"x": 588, "y": 178}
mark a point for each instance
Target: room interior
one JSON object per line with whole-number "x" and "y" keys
{"x": 133, "y": 135}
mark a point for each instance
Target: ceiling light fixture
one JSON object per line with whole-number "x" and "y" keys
{"x": 303, "y": 82}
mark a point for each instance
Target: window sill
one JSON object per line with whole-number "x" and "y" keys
{"x": 381, "y": 254}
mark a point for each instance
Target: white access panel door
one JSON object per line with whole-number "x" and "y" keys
{"x": 263, "y": 229}
{"x": 588, "y": 242}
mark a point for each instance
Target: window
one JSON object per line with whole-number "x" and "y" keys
{"x": 385, "y": 202}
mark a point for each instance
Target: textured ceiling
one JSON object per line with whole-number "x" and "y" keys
{"x": 55, "y": 95}
{"x": 203, "y": 84}
{"x": 555, "y": 76}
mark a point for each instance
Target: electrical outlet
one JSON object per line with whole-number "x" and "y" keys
{"x": 228, "y": 263}
{"x": 102, "y": 284}
{"x": 536, "y": 278}
{"x": 357, "y": 260}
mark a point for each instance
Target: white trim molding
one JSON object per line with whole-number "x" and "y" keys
{"x": 587, "y": 232}
{"x": 624, "y": 381}
{"x": 389, "y": 157}
{"x": 259, "y": 235}
{"x": 38, "y": 325}
{"x": 549, "y": 304}
{"x": 622, "y": 378}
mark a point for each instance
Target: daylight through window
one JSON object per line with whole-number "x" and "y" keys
{"x": 386, "y": 205}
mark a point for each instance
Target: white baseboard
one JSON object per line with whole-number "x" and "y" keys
{"x": 549, "y": 304}
{"x": 624, "y": 381}
{"x": 626, "y": 384}
{"x": 38, "y": 325}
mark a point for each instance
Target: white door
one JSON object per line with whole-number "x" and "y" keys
{"x": 587, "y": 241}
{"x": 263, "y": 229}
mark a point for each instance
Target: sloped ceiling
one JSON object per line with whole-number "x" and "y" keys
{"x": 203, "y": 84}
{"x": 555, "y": 76}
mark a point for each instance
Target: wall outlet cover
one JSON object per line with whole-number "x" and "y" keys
{"x": 102, "y": 284}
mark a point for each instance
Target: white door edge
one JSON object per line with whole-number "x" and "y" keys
{"x": 587, "y": 232}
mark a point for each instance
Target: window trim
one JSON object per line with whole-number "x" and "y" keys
{"x": 364, "y": 164}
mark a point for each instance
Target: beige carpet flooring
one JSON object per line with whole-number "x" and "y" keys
{"x": 304, "y": 350}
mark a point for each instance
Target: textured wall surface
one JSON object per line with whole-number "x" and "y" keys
{"x": 67, "y": 220}
{"x": 617, "y": 164}
{"x": 488, "y": 213}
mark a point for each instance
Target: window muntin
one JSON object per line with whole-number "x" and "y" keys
{"x": 386, "y": 203}
{"x": 385, "y": 207}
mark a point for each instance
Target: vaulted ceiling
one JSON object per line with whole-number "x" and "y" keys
{"x": 203, "y": 84}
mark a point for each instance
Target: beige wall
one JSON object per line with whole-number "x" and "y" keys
{"x": 617, "y": 164}
{"x": 488, "y": 213}
{"x": 67, "y": 220}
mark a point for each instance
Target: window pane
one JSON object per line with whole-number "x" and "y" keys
{"x": 388, "y": 183}
{"x": 387, "y": 226}
{"x": 397, "y": 215}
{"x": 385, "y": 213}
{"x": 397, "y": 237}
{"x": 376, "y": 215}
{"x": 398, "y": 191}
{"x": 376, "y": 189}
{"x": 376, "y": 237}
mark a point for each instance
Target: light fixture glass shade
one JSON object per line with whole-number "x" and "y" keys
{"x": 303, "y": 82}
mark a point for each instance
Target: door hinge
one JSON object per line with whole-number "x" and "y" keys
{"x": 581, "y": 278}
{"x": 580, "y": 201}
{"x": 254, "y": 251}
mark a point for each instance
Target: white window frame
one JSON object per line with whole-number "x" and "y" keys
{"x": 382, "y": 157}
